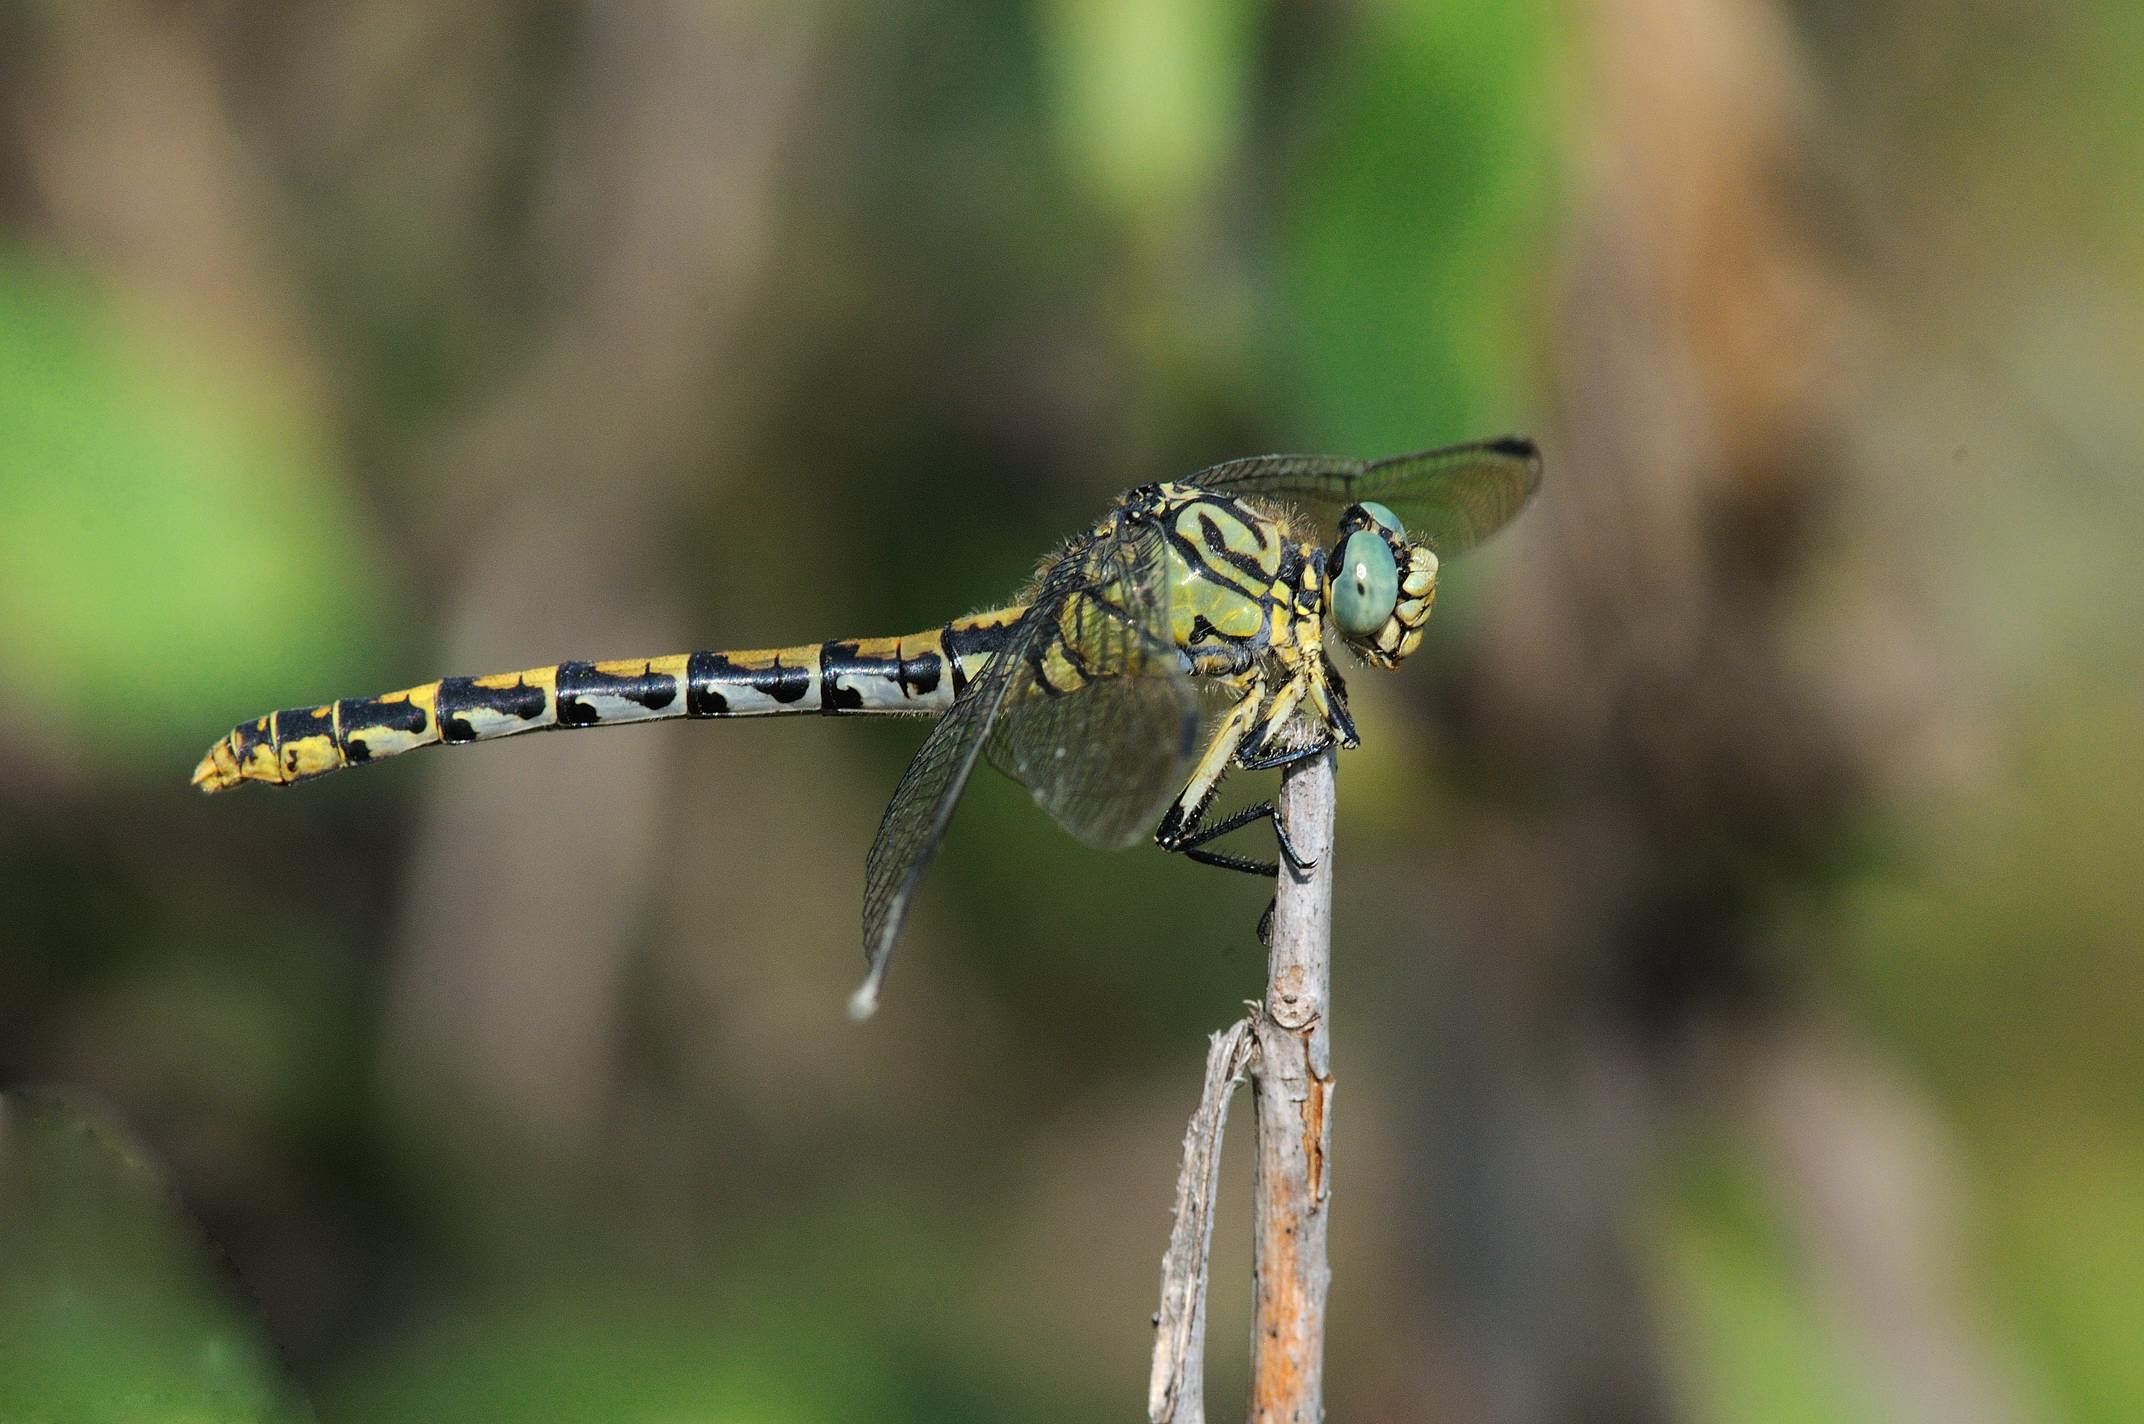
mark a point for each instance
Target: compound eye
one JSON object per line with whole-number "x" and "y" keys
{"x": 1382, "y": 517}
{"x": 1366, "y": 585}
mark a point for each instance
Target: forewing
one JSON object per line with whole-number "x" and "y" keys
{"x": 1101, "y": 721}
{"x": 1454, "y": 497}
{"x": 922, "y": 805}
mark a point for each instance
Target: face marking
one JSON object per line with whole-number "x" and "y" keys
{"x": 1381, "y": 585}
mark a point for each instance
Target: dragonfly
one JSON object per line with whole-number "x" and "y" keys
{"x": 1086, "y": 689}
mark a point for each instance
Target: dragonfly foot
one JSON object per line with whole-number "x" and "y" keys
{"x": 1297, "y": 861}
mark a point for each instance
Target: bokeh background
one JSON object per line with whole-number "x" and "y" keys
{"x": 1739, "y": 898}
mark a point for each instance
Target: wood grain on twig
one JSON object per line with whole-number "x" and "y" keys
{"x": 1291, "y": 1089}
{"x": 1282, "y": 1045}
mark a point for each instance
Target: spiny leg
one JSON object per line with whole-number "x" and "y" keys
{"x": 1196, "y": 835}
{"x": 1181, "y": 822}
{"x": 1222, "y": 860}
{"x": 1183, "y": 830}
{"x": 1273, "y": 720}
{"x": 1296, "y": 859}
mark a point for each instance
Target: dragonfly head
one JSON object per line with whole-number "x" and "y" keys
{"x": 1379, "y": 584}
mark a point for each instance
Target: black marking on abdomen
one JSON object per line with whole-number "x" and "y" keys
{"x": 293, "y": 724}
{"x": 252, "y": 734}
{"x": 652, "y": 690}
{"x": 919, "y": 675}
{"x": 705, "y": 676}
{"x": 458, "y": 696}
{"x": 783, "y": 683}
{"x": 359, "y": 715}
{"x": 839, "y": 660}
{"x": 961, "y": 643}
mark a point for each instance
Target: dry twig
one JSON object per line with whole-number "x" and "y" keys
{"x": 1176, "y": 1393}
{"x": 1284, "y": 1046}
{"x": 1292, "y": 1088}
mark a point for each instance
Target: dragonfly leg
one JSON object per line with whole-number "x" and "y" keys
{"x": 1273, "y": 721}
{"x": 1189, "y": 809}
{"x": 1184, "y": 830}
{"x": 1187, "y": 836}
{"x": 1328, "y": 694}
{"x": 1297, "y": 861}
{"x": 1198, "y": 835}
{"x": 1222, "y": 860}
{"x": 1290, "y": 757}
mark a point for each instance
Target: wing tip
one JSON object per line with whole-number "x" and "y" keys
{"x": 864, "y": 1002}
{"x": 1522, "y": 448}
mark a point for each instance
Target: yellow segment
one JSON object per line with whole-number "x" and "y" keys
{"x": 218, "y": 771}
{"x": 673, "y": 666}
{"x": 309, "y": 756}
{"x": 260, "y": 763}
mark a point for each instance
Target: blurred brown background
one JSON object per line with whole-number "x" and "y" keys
{"x": 1739, "y": 910}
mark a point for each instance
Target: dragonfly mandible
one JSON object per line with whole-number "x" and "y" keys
{"x": 1084, "y": 689}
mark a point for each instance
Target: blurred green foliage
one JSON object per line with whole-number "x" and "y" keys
{"x": 111, "y": 1300}
{"x": 175, "y": 537}
{"x": 1761, "y": 1353}
{"x": 2004, "y": 963}
{"x": 1416, "y": 227}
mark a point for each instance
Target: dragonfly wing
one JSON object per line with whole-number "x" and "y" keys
{"x": 1125, "y": 726}
{"x": 1454, "y": 497}
{"x": 1102, "y": 720}
{"x": 922, "y": 805}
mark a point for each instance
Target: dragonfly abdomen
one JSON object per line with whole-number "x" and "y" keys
{"x": 917, "y": 672}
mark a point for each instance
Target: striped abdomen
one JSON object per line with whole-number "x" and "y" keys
{"x": 920, "y": 672}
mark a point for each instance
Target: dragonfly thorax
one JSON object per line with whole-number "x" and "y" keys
{"x": 1230, "y": 565}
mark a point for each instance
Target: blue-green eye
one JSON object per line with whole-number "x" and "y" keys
{"x": 1366, "y": 585}
{"x": 1383, "y": 517}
